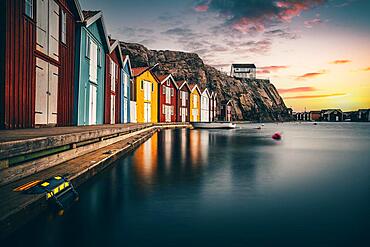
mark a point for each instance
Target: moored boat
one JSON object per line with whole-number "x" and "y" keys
{"x": 214, "y": 125}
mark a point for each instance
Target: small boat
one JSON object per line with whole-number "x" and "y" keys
{"x": 214, "y": 125}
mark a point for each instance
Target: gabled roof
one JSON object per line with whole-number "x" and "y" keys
{"x": 194, "y": 87}
{"x": 79, "y": 10}
{"x": 226, "y": 102}
{"x": 140, "y": 70}
{"x": 181, "y": 83}
{"x": 91, "y": 16}
{"x": 163, "y": 78}
{"x": 126, "y": 60}
{"x": 244, "y": 65}
{"x": 113, "y": 45}
{"x": 205, "y": 91}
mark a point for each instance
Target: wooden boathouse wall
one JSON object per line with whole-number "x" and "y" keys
{"x": 18, "y": 66}
{"x": 66, "y": 70}
{"x": 107, "y": 109}
{"x": 18, "y": 80}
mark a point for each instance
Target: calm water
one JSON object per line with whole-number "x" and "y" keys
{"x": 225, "y": 188}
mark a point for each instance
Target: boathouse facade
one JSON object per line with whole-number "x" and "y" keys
{"x": 146, "y": 93}
{"x": 167, "y": 98}
{"x": 205, "y": 106}
{"x": 194, "y": 103}
{"x": 113, "y": 68}
{"x": 126, "y": 82}
{"x": 92, "y": 45}
{"x": 183, "y": 99}
{"x": 37, "y": 59}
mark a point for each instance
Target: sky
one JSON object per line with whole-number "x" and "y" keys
{"x": 316, "y": 52}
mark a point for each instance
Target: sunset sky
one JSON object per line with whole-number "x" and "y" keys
{"x": 316, "y": 52}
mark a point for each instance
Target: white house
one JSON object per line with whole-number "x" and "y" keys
{"x": 243, "y": 71}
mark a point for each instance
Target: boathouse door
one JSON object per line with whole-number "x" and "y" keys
{"x": 46, "y": 93}
{"x": 183, "y": 114}
{"x": 92, "y": 104}
{"x": 147, "y": 112}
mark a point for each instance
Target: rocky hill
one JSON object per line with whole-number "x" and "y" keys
{"x": 253, "y": 100}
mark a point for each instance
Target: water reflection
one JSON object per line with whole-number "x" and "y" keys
{"x": 223, "y": 188}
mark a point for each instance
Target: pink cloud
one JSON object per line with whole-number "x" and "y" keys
{"x": 343, "y": 61}
{"x": 315, "y": 96}
{"x": 313, "y": 22}
{"x": 296, "y": 90}
{"x": 201, "y": 8}
{"x": 310, "y": 75}
{"x": 268, "y": 69}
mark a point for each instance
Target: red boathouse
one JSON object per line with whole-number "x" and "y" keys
{"x": 167, "y": 98}
{"x": 113, "y": 67}
{"x": 37, "y": 55}
{"x": 183, "y": 99}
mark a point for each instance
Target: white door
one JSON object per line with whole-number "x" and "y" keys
{"x": 41, "y": 105}
{"x": 168, "y": 113}
{"x": 46, "y": 101}
{"x": 125, "y": 113}
{"x": 53, "y": 95}
{"x": 147, "y": 112}
{"x": 112, "y": 109}
{"x": 92, "y": 104}
{"x": 183, "y": 114}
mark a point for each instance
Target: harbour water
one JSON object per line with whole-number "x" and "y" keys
{"x": 224, "y": 188}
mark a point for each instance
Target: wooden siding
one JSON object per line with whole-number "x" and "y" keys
{"x": 146, "y": 76}
{"x": 82, "y": 83}
{"x": 196, "y": 107}
{"x": 107, "y": 109}
{"x": 187, "y": 102}
{"x": 18, "y": 74}
{"x": 66, "y": 73}
{"x": 162, "y": 101}
{"x": 18, "y": 86}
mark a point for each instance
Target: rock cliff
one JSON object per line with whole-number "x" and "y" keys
{"x": 253, "y": 100}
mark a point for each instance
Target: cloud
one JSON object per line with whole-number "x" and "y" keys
{"x": 340, "y": 61}
{"x": 201, "y": 8}
{"x": 315, "y": 96}
{"x": 310, "y": 75}
{"x": 268, "y": 69}
{"x": 247, "y": 15}
{"x": 313, "y": 22}
{"x": 179, "y": 31}
{"x": 296, "y": 90}
{"x": 280, "y": 33}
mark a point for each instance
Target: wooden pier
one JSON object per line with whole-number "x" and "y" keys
{"x": 35, "y": 154}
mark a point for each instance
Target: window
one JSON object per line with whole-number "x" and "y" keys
{"x": 142, "y": 85}
{"x": 168, "y": 82}
{"x": 153, "y": 87}
{"x": 88, "y": 46}
{"x": 64, "y": 27}
{"x": 99, "y": 57}
{"x": 28, "y": 8}
{"x": 195, "y": 101}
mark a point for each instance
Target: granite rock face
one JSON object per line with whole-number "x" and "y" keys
{"x": 253, "y": 100}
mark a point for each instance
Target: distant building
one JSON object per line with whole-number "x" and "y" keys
{"x": 242, "y": 71}
{"x": 314, "y": 115}
{"x": 332, "y": 115}
{"x": 226, "y": 110}
{"x": 363, "y": 115}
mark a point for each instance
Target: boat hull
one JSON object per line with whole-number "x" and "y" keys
{"x": 214, "y": 125}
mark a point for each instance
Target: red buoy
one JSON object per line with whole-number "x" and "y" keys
{"x": 276, "y": 136}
